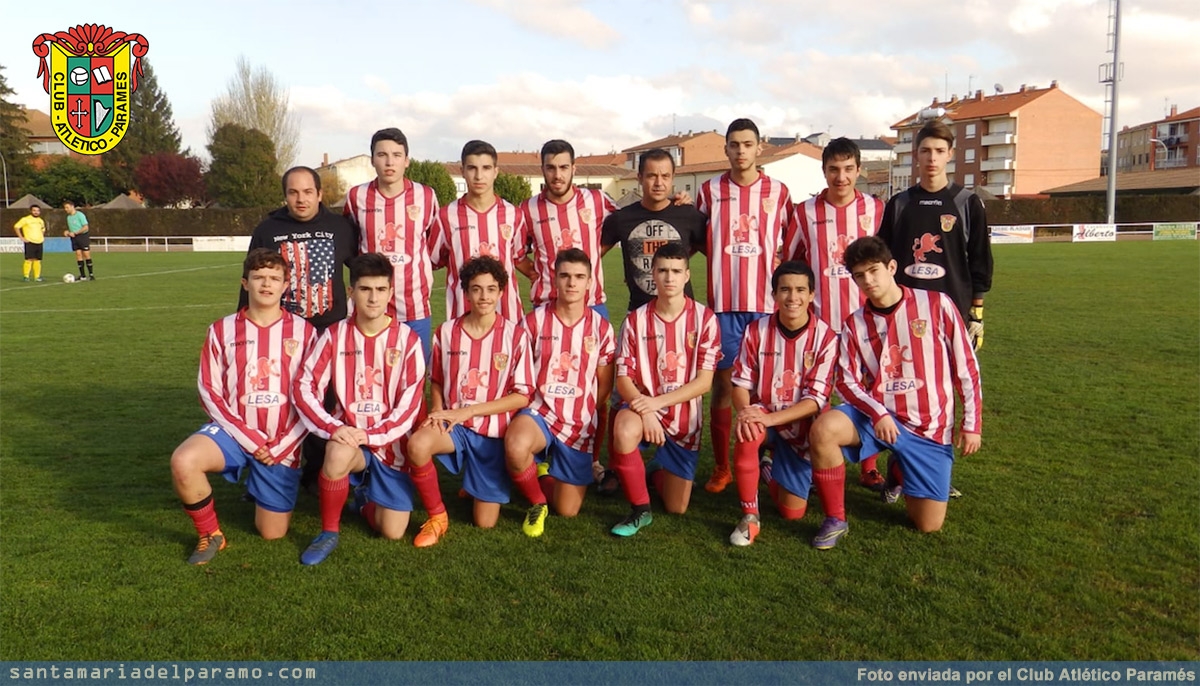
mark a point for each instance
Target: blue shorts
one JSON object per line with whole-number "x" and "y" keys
{"x": 676, "y": 459}
{"x": 386, "y": 487}
{"x": 924, "y": 464}
{"x": 733, "y": 329}
{"x": 567, "y": 464}
{"x": 790, "y": 470}
{"x": 273, "y": 487}
{"x": 480, "y": 460}
{"x": 423, "y": 329}
{"x": 602, "y": 309}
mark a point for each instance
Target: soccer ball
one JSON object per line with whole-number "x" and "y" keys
{"x": 68, "y": 278}
{"x": 79, "y": 76}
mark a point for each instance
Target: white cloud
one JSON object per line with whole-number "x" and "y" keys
{"x": 564, "y": 19}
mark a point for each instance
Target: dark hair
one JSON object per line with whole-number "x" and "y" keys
{"x": 316, "y": 177}
{"x": 797, "y": 267}
{"x": 557, "y": 147}
{"x": 934, "y": 129}
{"x": 69, "y": 202}
{"x": 742, "y": 125}
{"x": 477, "y": 266}
{"x": 264, "y": 258}
{"x": 669, "y": 251}
{"x": 371, "y": 264}
{"x": 866, "y": 250}
{"x": 390, "y": 134}
{"x": 654, "y": 154}
{"x": 572, "y": 256}
{"x": 479, "y": 148}
{"x": 840, "y": 149}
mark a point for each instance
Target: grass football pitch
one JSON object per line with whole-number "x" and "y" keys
{"x": 1078, "y": 536}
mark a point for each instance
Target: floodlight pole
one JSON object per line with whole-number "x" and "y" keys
{"x": 5, "y": 164}
{"x": 1115, "y": 78}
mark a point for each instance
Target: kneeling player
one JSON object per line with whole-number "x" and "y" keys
{"x": 904, "y": 355}
{"x": 782, "y": 378}
{"x": 246, "y": 369}
{"x": 669, "y": 351}
{"x": 481, "y": 375}
{"x": 572, "y": 352}
{"x": 376, "y": 367}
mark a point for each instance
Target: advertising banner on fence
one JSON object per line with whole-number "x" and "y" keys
{"x": 1012, "y": 234}
{"x": 220, "y": 243}
{"x": 12, "y": 245}
{"x": 1094, "y": 233}
{"x": 1175, "y": 232}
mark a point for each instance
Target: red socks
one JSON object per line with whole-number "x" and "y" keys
{"x": 602, "y": 430}
{"x": 870, "y": 464}
{"x": 722, "y": 428}
{"x": 792, "y": 513}
{"x": 204, "y": 516}
{"x": 745, "y": 465}
{"x": 527, "y": 483}
{"x": 657, "y": 477}
{"x": 426, "y": 482}
{"x": 333, "y": 498}
{"x": 368, "y": 513}
{"x": 632, "y": 472}
{"x": 831, "y": 487}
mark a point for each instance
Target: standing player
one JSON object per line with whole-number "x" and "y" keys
{"x": 81, "y": 241}
{"x": 572, "y": 351}
{"x": 375, "y": 367}
{"x": 904, "y": 356}
{"x": 31, "y": 229}
{"x": 826, "y": 224}
{"x": 749, "y": 214}
{"x": 938, "y": 232}
{"x": 247, "y": 366}
{"x": 394, "y": 216}
{"x": 479, "y": 224}
{"x": 315, "y": 243}
{"x": 782, "y": 378}
{"x": 669, "y": 350}
{"x": 481, "y": 375}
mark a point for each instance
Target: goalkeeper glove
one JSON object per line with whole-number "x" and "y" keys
{"x": 975, "y": 326}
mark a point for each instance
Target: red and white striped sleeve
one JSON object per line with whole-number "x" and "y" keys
{"x": 406, "y": 406}
{"x": 708, "y": 344}
{"x": 852, "y": 370}
{"x": 216, "y": 397}
{"x": 310, "y": 387}
{"x": 965, "y": 366}
{"x": 824, "y": 344}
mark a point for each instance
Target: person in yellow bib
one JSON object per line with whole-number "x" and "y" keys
{"x": 32, "y": 229}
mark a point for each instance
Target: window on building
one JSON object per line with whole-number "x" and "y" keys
{"x": 969, "y": 180}
{"x": 970, "y": 130}
{"x": 970, "y": 153}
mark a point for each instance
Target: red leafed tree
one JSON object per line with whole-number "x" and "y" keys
{"x": 168, "y": 179}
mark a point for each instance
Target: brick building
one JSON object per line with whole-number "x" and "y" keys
{"x": 1169, "y": 143}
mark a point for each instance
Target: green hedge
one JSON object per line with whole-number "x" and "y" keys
{"x": 151, "y": 222}
{"x": 1091, "y": 210}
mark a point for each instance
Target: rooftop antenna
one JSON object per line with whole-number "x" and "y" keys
{"x": 999, "y": 88}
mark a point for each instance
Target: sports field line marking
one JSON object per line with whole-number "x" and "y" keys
{"x": 115, "y": 309}
{"x": 58, "y": 282}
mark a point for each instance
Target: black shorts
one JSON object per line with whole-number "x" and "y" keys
{"x": 33, "y": 251}
{"x": 81, "y": 241}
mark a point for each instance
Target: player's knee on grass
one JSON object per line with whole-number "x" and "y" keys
{"x": 194, "y": 458}
{"x": 568, "y": 499}
{"x": 926, "y": 515}
{"x": 421, "y": 446}
{"x": 829, "y": 433}
{"x": 791, "y": 506}
{"x": 627, "y": 431}
{"x": 271, "y": 525}
{"x": 676, "y": 493}
{"x": 486, "y": 514}
{"x": 391, "y": 524}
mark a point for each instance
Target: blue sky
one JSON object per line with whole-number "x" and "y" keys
{"x": 608, "y": 75}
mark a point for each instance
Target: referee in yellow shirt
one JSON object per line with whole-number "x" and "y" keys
{"x": 32, "y": 229}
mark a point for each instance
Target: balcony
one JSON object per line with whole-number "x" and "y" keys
{"x": 902, "y": 148}
{"x": 1171, "y": 163}
{"x": 1000, "y": 190}
{"x": 995, "y": 164}
{"x": 999, "y": 139}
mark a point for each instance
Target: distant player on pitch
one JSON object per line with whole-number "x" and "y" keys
{"x": 782, "y": 378}
{"x": 749, "y": 214}
{"x": 573, "y": 348}
{"x": 247, "y": 367}
{"x": 31, "y": 229}
{"x": 905, "y": 354}
{"x": 826, "y": 224}
{"x": 669, "y": 350}
{"x": 482, "y": 374}
{"x": 79, "y": 232}
{"x": 375, "y": 367}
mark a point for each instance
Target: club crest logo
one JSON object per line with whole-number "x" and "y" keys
{"x": 586, "y": 215}
{"x": 90, "y": 72}
{"x": 290, "y": 346}
{"x": 589, "y": 344}
{"x": 414, "y": 213}
{"x": 392, "y": 357}
{"x": 865, "y": 223}
{"x": 500, "y": 361}
{"x": 691, "y": 340}
{"x": 918, "y": 327}
{"x": 948, "y": 222}
{"x": 768, "y": 204}
{"x": 810, "y": 359}
{"x": 506, "y": 231}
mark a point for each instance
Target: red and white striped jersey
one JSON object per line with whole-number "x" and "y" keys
{"x": 746, "y": 228}
{"x": 461, "y": 233}
{"x": 911, "y": 362}
{"x": 399, "y": 227}
{"x": 659, "y": 356}
{"x": 246, "y": 382}
{"x": 565, "y": 359}
{"x": 472, "y": 371}
{"x": 779, "y": 371}
{"x": 823, "y": 232}
{"x": 573, "y": 224}
{"x": 378, "y": 380}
